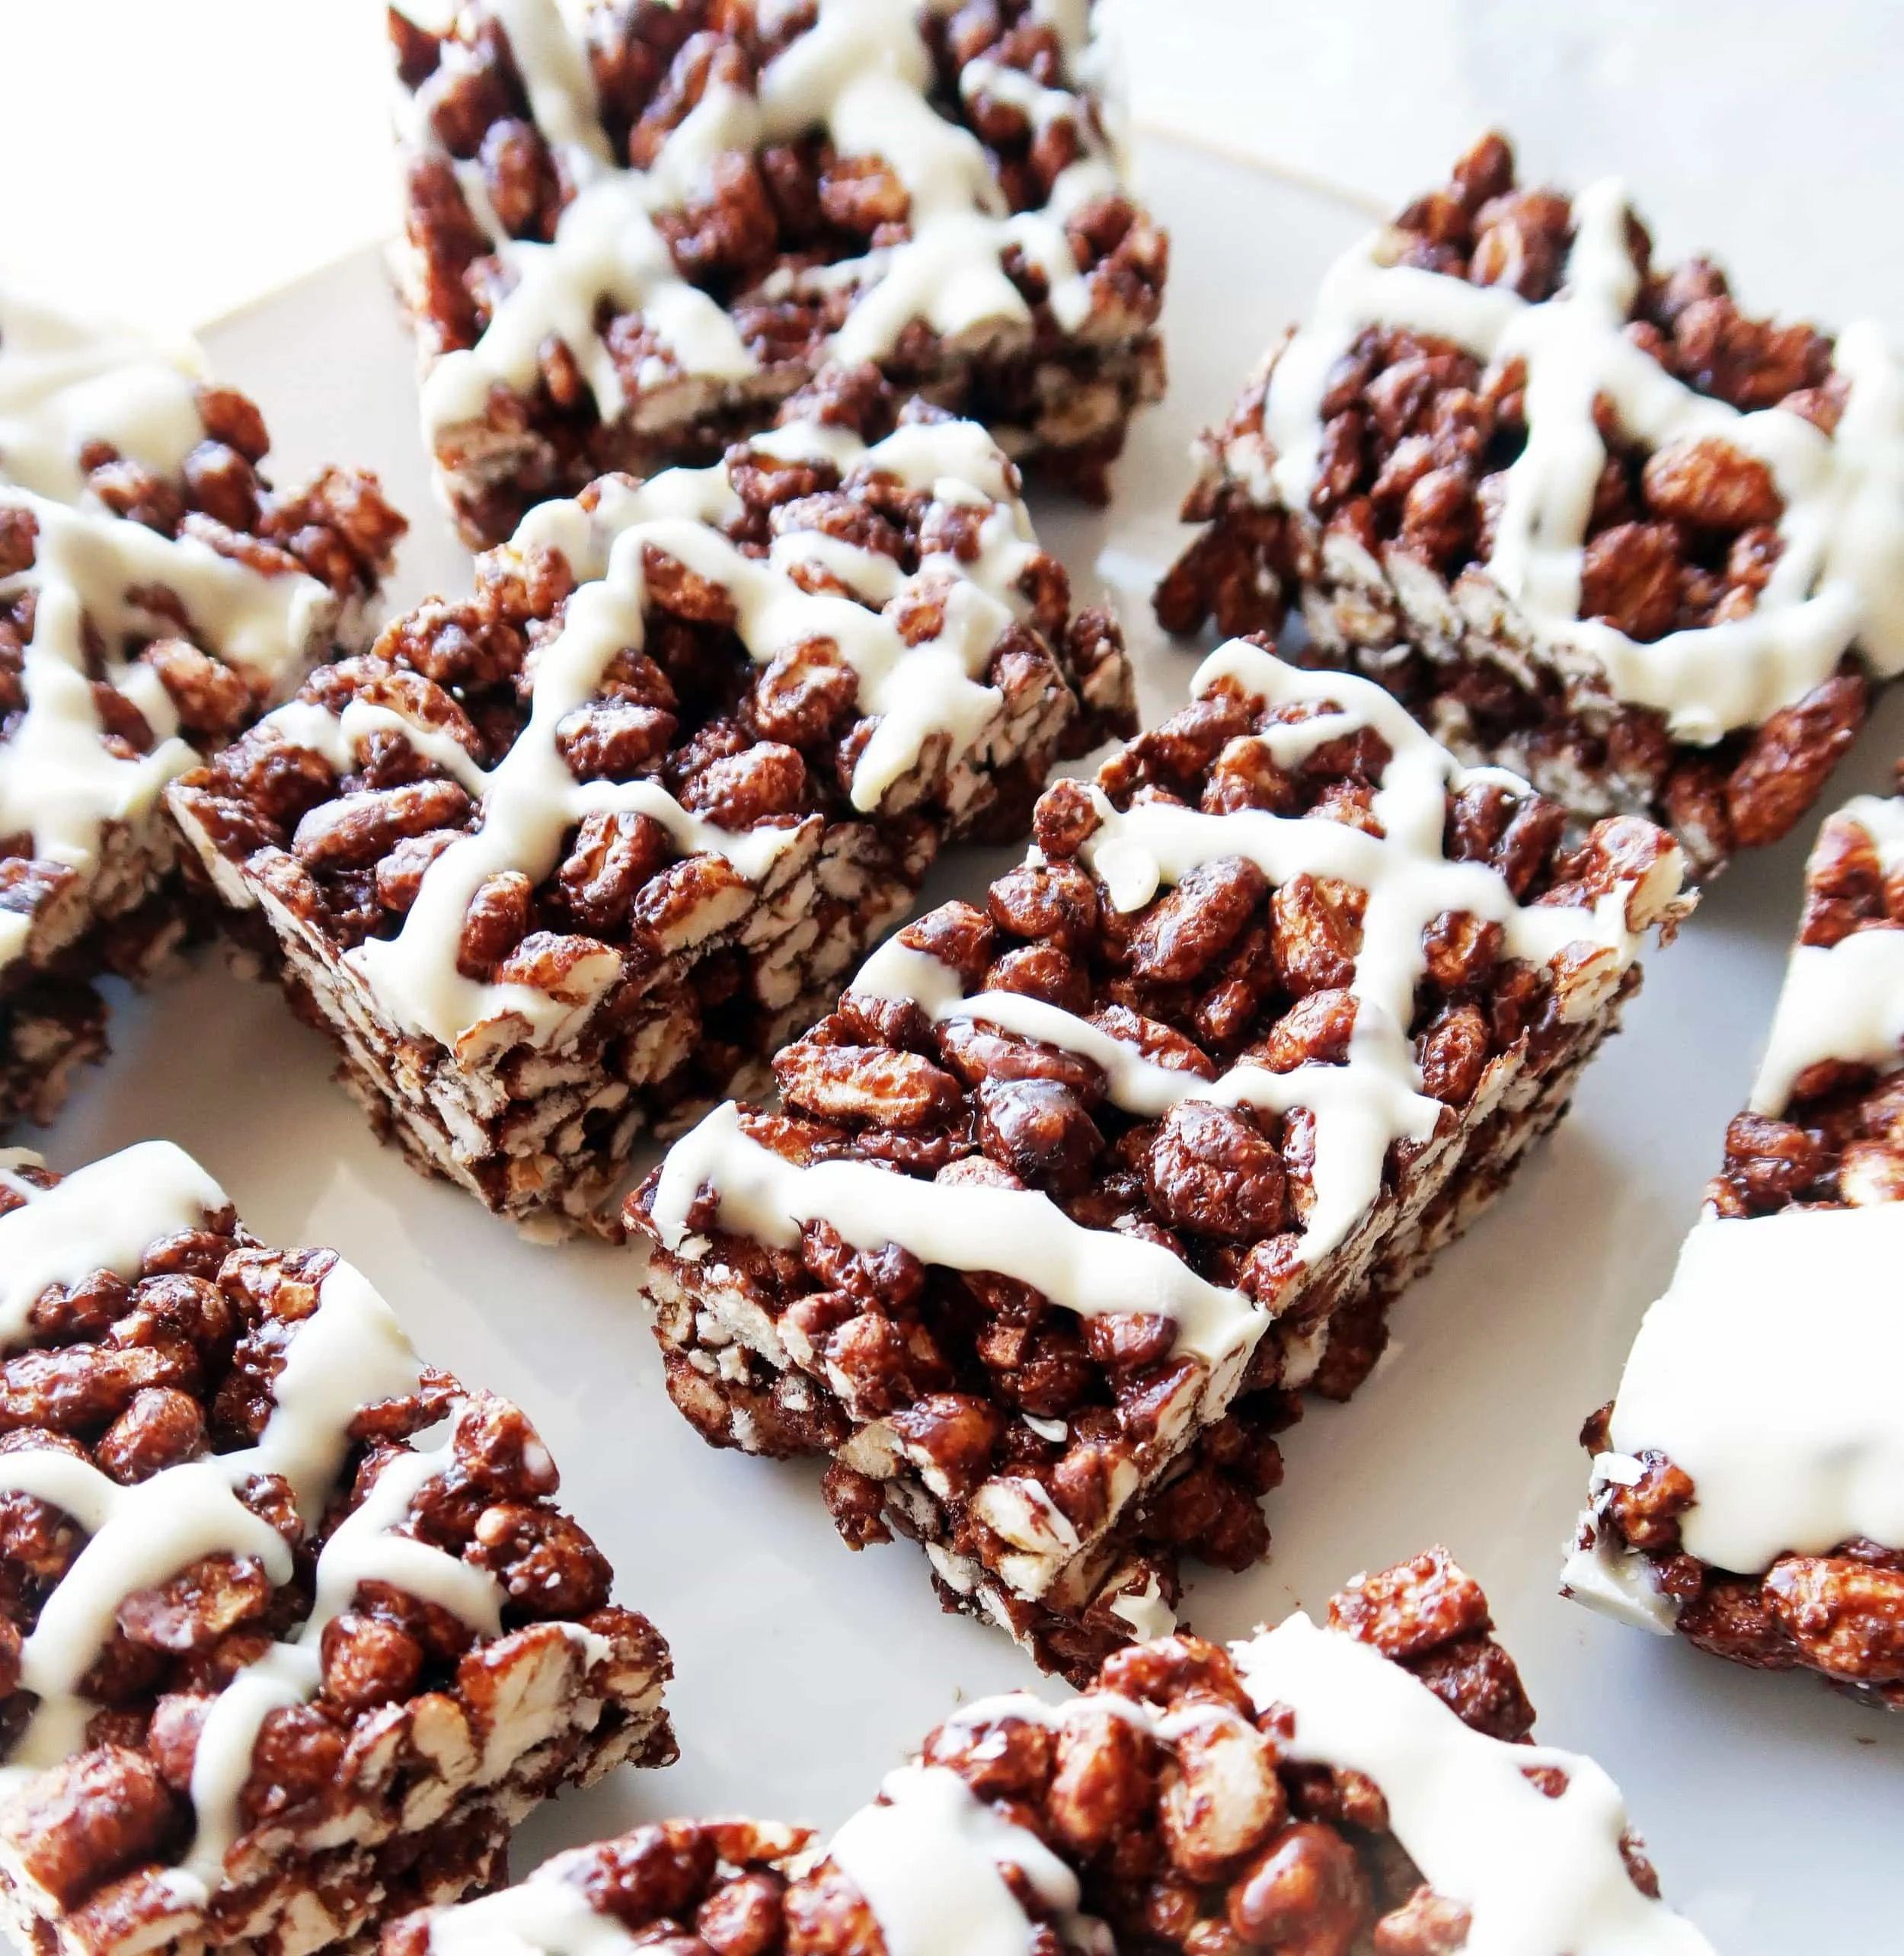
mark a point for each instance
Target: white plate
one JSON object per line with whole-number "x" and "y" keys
{"x": 1772, "y": 1807}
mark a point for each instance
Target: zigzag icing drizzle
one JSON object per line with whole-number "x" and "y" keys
{"x": 348, "y": 1354}
{"x": 932, "y": 690}
{"x": 861, "y": 73}
{"x": 1839, "y": 579}
{"x": 63, "y": 384}
{"x": 1360, "y": 1108}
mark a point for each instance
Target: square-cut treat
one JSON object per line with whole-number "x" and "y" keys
{"x": 1369, "y": 1784}
{"x": 292, "y": 1631}
{"x": 156, "y": 595}
{"x": 1747, "y": 1482}
{"x": 1586, "y": 516}
{"x": 1073, "y": 1192}
{"x": 633, "y": 231}
{"x": 554, "y": 864}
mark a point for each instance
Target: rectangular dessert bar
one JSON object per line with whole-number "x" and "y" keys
{"x": 554, "y": 864}
{"x": 1072, "y": 1193}
{"x": 1581, "y": 513}
{"x": 634, "y": 230}
{"x": 1368, "y": 1784}
{"x": 156, "y": 595}
{"x": 292, "y": 1631}
{"x": 1748, "y": 1483}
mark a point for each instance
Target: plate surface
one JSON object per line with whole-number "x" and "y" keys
{"x": 1773, "y": 1809}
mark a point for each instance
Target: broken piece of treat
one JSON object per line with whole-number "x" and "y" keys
{"x": 554, "y": 863}
{"x": 633, "y": 232}
{"x": 1583, "y": 515}
{"x": 156, "y": 595}
{"x": 1748, "y": 1486}
{"x": 1074, "y": 1192}
{"x": 292, "y": 1632}
{"x": 1369, "y": 1784}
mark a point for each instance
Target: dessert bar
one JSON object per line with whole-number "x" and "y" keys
{"x": 155, "y": 595}
{"x": 556, "y": 863}
{"x": 1748, "y": 1480}
{"x": 1074, "y": 1191}
{"x": 292, "y": 1631}
{"x": 1585, "y": 515}
{"x": 633, "y": 231}
{"x": 1367, "y": 1784}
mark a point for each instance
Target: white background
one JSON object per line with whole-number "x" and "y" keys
{"x": 181, "y": 156}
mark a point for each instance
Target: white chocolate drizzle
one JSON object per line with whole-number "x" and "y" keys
{"x": 350, "y": 1353}
{"x": 1790, "y": 1428}
{"x": 104, "y": 1216}
{"x": 928, "y": 1860}
{"x": 860, "y": 74}
{"x": 1839, "y": 579}
{"x": 1539, "y": 1876}
{"x": 1361, "y": 1107}
{"x": 918, "y": 693}
{"x": 62, "y": 385}
{"x": 1844, "y": 1001}
{"x": 1145, "y": 1610}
